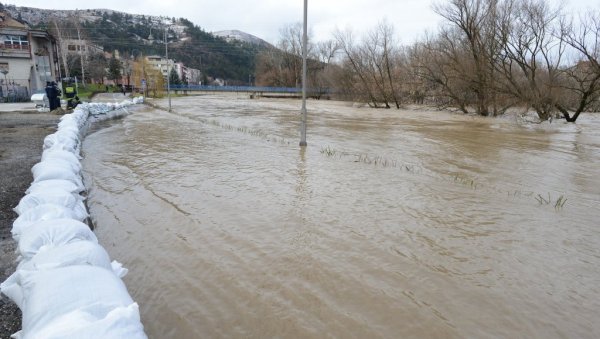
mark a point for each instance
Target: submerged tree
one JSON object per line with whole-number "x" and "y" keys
{"x": 582, "y": 80}
{"x": 470, "y": 41}
{"x": 531, "y": 54}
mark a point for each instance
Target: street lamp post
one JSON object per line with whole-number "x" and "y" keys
{"x": 303, "y": 110}
{"x": 168, "y": 70}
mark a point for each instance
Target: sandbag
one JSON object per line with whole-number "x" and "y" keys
{"x": 60, "y": 154}
{"x": 48, "y": 170}
{"x": 84, "y": 252}
{"x": 52, "y": 295}
{"x": 69, "y": 125}
{"x": 121, "y": 322}
{"x": 74, "y": 119}
{"x": 57, "y": 196}
{"x": 66, "y": 140}
{"x": 41, "y": 213}
{"x": 52, "y": 233}
{"x": 11, "y": 288}
{"x": 73, "y": 166}
{"x": 62, "y": 184}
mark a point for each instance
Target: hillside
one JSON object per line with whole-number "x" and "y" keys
{"x": 215, "y": 56}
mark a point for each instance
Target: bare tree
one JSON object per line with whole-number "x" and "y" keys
{"x": 531, "y": 53}
{"x": 322, "y": 71}
{"x": 582, "y": 80}
{"x": 379, "y": 56}
{"x": 474, "y": 20}
{"x": 282, "y": 66}
{"x": 97, "y": 65}
{"x": 443, "y": 62}
{"x": 356, "y": 77}
{"x": 291, "y": 45}
{"x": 391, "y": 59}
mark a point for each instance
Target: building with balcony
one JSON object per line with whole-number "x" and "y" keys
{"x": 161, "y": 64}
{"x": 192, "y": 76}
{"x": 27, "y": 59}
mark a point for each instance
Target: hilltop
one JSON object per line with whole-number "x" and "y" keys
{"x": 235, "y": 35}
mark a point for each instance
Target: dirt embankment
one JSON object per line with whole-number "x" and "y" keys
{"x": 21, "y": 139}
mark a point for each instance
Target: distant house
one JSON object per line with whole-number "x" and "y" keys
{"x": 161, "y": 64}
{"x": 192, "y": 76}
{"x": 75, "y": 46}
{"x": 27, "y": 59}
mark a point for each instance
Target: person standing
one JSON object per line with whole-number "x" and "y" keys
{"x": 52, "y": 95}
{"x": 58, "y": 95}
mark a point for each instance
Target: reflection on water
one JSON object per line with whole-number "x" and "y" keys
{"x": 411, "y": 224}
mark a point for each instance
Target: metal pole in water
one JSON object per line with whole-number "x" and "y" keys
{"x": 168, "y": 70}
{"x": 304, "y": 47}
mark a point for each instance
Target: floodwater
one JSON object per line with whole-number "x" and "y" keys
{"x": 391, "y": 224}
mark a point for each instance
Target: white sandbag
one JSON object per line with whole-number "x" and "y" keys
{"x": 71, "y": 123}
{"x": 72, "y": 254}
{"x": 41, "y": 213}
{"x": 11, "y": 288}
{"x": 75, "y": 119}
{"x": 121, "y": 322}
{"x": 48, "y": 170}
{"x": 55, "y": 196}
{"x": 50, "y": 184}
{"x": 49, "y": 295}
{"x": 54, "y": 153}
{"x": 68, "y": 138}
{"x": 52, "y": 233}
{"x": 74, "y": 166}
{"x": 84, "y": 252}
{"x": 62, "y": 139}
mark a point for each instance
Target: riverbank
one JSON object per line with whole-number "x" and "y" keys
{"x": 22, "y": 131}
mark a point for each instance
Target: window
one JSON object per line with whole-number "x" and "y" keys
{"x": 16, "y": 41}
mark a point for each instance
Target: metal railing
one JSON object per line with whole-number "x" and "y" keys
{"x": 20, "y": 51}
{"x": 248, "y": 89}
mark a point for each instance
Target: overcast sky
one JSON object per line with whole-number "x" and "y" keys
{"x": 264, "y": 18}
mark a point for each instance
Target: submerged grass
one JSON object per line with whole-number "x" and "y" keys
{"x": 558, "y": 203}
{"x": 379, "y": 161}
{"x": 245, "y": 130}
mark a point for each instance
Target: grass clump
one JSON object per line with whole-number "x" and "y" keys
{"x": 558, "y": 203}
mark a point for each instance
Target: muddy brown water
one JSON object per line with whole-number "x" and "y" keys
{"x": 390, "y": 224}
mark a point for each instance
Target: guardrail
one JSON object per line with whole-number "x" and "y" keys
{"x": 247, "y": 89}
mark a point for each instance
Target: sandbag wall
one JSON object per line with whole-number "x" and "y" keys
{"x": 65, "y": 284}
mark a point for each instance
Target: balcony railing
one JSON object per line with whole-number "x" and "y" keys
{"x": 15, "y": 50}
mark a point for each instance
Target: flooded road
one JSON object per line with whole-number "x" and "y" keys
{"x": 391, "y": 224}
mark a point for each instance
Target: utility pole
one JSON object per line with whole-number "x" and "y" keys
{"x": 304, "y": 47}
{"x": 62, "y": 50}
{"x": 81, "y": 46}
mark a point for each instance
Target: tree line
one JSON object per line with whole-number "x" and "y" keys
{"x": 488, "y": 56}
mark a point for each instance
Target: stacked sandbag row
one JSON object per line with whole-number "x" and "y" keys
{"x": 65, "y": 284}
